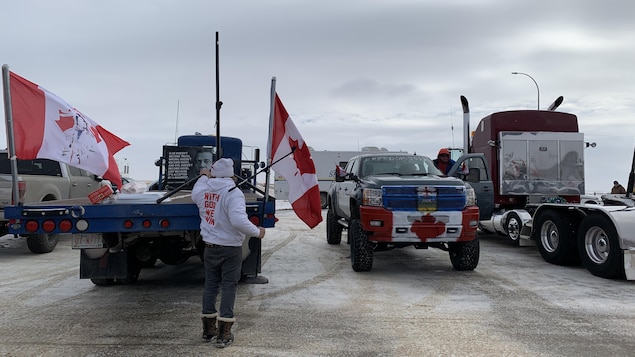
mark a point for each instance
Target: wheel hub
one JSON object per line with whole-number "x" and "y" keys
{"x": 597, "y": 245}
{"x": 550, "y": 237}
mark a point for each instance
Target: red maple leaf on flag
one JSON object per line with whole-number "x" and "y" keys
{"x": 66, "y": 121}
{"x": 302, "y": 158}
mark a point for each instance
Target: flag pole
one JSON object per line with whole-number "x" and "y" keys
{"x": 272, "y": 106}
{"x": 8, "y": 116}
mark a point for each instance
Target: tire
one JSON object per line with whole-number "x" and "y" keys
{"x": 323, "y": 200}
{"x": 554, "y": 237}
{"x": 171, "y": 252}
{"x": 465, "y": 255}
{"x": 42, "y": 243}
{"x": 150, "y": 263}
{"x": 333, "y": 228}
{"x": 512, "y": 228}
{"x": 361, "y": 250}
{"x": 145, "y": 255}
{"x": 599, "y": 247}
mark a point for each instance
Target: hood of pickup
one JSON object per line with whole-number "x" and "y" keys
{"x": 396, "y": 180}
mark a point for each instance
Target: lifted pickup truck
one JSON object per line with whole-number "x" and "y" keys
{"x": 396, "y": 200}
{"x": 41, "y": 180}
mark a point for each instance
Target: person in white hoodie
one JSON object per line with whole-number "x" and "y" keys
{"x": 224, "y": 224}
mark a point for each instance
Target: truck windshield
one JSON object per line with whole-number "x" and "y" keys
{"x": 401, "y": 165}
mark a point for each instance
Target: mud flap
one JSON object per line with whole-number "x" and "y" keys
{"x": 629, "y": 264}
{"x": 252, "y": 263}
{"x": 95, "y": 264}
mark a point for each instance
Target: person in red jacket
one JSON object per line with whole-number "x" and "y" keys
{"x": 443, "y": 161}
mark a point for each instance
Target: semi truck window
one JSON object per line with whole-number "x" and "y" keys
{"x": 477, "y": 162}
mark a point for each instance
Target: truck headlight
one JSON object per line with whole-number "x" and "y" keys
{"x": 470, "y": 197}
{"x": 371, "y": 197}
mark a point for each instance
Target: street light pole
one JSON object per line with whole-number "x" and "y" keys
{"x": 536, "y": 83}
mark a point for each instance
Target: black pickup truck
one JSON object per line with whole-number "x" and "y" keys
{"x": 396, "y": 200}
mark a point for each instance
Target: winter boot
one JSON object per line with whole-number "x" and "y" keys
{"x": 209, "y": 327}
{"x": 225, "y": 335}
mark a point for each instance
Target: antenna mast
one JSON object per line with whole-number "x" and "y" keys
{"x": 218, "y": 105}
{"x": 176, "y": 129}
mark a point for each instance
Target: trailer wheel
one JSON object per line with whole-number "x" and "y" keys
{"x": 361, "y": 250}
{"x": 323, "y": 200}
{"x": 145, "y": 255}
{"x": 333, "y": 228}
{"x": 599, "y": 247}
{"x": 465, "y": 255}
{"x": 512, "y": 227}
{"x": 555, "y": 239}
{"x": 42, "y": 243}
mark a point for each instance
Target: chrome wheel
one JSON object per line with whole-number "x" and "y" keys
{"x": 549, "y": 236}
{"x": 597, "y": 245}
{"x": 513, "y": 227}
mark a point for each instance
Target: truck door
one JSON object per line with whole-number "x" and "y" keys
{"x": 472, "y": 168}
{"x": 82, "y": 182}
{"x": 346, "y": 189}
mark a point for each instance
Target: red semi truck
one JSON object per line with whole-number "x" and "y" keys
{"x": 527, "y": 169}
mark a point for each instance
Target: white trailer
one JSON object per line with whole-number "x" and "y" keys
{"x": 325, "y": 162}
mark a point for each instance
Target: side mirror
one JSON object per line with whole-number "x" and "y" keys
{"x": 339, "y": 178}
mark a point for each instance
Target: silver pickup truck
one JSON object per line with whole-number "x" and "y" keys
{"x": 43, "y": 180}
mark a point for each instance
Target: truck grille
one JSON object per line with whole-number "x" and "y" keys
{"x": 423, "y": 198}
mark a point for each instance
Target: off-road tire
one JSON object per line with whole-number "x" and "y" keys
{"x": 333, "y": 228}
{"x": 361, "y": 249}
{"x": 465, "y": 255}
{"x": 599, "y": 247}
{"x": 553, "y": 234}
{"x": 42, "y": 243}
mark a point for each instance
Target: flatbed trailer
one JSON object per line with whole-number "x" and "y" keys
{"x": 122, "y": 234}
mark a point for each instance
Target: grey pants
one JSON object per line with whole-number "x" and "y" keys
{"x": 222, "y": 271}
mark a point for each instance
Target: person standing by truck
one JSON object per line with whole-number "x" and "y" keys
{"x": 617, "y": 188}
{"x": 443, "y": 161}
{"x": 224, "y": 224}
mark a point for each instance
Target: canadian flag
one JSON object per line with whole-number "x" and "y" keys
{"x": 298, "y": 168}
{"x": 45, "y": 126}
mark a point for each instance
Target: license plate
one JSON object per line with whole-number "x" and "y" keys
{"x": 87, "y": 240}
{"x": 426, "y": 204}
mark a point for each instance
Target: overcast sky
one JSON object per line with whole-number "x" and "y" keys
{"x": 385, "y": 73}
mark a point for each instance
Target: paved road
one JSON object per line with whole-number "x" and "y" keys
{"x": 411, "y": 304}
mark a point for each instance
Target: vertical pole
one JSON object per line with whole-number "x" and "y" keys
{"x": 8, "y": 115}
{"x": 631, "y": 179}
{"x": 270, "y": 140}
{"x": 218, "y": 106}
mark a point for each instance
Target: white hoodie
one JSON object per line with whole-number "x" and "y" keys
{"x": 224, "y": 219}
